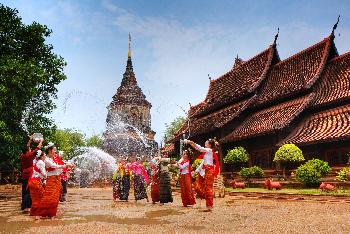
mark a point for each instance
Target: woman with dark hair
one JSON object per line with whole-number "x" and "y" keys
{"x": 155, "y": 184}
{"x": 36, "y": 182}
{"x": 51, "y": 196}
{"x": 165, "y": 193}
{"x": 140, "y": 179}
{"x": 209, "y": 169}
{"x": 125, "y": 173}
{"x": 27, "y": 158}
{"x": 187, "y": 196}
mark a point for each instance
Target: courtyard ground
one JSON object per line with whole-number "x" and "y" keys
{"x": 91, "y": 210}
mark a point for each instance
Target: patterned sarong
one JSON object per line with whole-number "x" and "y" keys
{"x": 155, "y": 188}
{"x": 186, "y": 190}
{"x": 124, "y": 188}
{"x": 139, "y": 187}
{"x": 116, "y": 188}
{"x": 165, "y": 193}
{"x": 36, "y": 193}
{"x": 51, "y": 196}
{"x": 199, "y": 187}
{"x": 209, "y": 187}
{"x": 204, "y": 187}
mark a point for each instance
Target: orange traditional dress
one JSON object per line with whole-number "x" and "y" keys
{"x": 49, "y": 202}
{"x": 36, "y": 185}
{"x": 186, "y": 183}
{"x": 207, "y": 172}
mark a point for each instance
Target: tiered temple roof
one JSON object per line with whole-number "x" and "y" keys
{"x": 324, "y": 126}
{"x": 241, "y": 80}
{"x": 269, "y": 94}
{"x": 296, "y": 73}
{"x": 270, "y": 119}
{"x": 335, "y": 82}
{"x": 219, "y": 118}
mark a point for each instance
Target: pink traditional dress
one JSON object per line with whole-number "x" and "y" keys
{"x": 140, "y": 180}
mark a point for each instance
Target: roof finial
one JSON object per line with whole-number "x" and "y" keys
{"x": 209, "y": 77}
{"x": 336, "y": 25}
{"x": 278, "y": 31}
{"x": 129, "y": 51}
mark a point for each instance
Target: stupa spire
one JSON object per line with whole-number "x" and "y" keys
{"x": 129, "y": 51}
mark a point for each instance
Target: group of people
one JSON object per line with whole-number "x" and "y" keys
{"x": 44, "y": 179}
{"x": 122, "y": 180}
{"x": 160, "y": 179}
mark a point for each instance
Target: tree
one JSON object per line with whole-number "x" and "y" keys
{"x": 288, "y": 154}
{"x": 173, "y": 127}
{"x": 237, "y": 156}
{"x": 95, "y": 140}
{"x": 69, "y": 141}
{"x": 29, "y": 74}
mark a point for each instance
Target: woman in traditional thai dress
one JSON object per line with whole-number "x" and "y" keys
{"x": 211, "y": 168}
{"x": 125, "y": 173}
{"x": 165, "y": 193}
{"x": 186, "y": 180}
{"x": 155, "y": 181}
{"x": 116, "y": 181}
{"x": 49, "y": 202}
{"x": 140, "y": 179}
{"x": 36, "y": 182}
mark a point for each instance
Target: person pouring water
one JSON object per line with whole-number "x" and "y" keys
{"x": 209, "y": 168}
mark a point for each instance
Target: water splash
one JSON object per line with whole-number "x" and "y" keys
{"x": 124, "y": 140}
{"x": 94, "y": 165}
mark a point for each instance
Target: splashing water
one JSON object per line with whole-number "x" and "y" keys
{"x": 94, "y": 165}
{"x": 124, "y": 140}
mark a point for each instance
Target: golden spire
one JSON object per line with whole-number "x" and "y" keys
{"x": 129, "y": 52}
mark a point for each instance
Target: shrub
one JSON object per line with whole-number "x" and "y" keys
{"x": 342, "y": 174}
{"x": 196, "y": 163}
{"x": 311, "y": 172}
{"x": 288, "y": 154}
{"x": 238, "y": 155}
{"x": 249, "y": 172}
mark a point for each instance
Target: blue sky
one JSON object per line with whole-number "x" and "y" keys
{"x": 175, "y": 45}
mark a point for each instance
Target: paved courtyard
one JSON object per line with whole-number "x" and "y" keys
{"x": 91, "y": 210}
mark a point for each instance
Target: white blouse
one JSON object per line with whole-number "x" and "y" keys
{"x": 57, "y": 168}
{"x": 207, "y": 159}
{"x": 41, "y": 166}
{"x": 184, "y": 167}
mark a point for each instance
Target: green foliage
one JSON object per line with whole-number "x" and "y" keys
{"x": 238, "y": 155}
{"x": 173, "y": 127}
{"x": 69, "y": 141}
{"x": 311, "y": 172}
{"x": 288, "y": 153}
{"x": 196, "y": 163}
{"x": 348, "y": 155}
{"x": 95, "y": 140}
{"x": 249, "y": 172}
{"x": 29, "y": 74}
{"x": 342, "y": 174}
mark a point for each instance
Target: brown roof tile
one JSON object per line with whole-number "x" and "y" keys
{"x": 335, "y": 81}
{"x": 219, "y": 118}
{"x": 297, "y": 73}
{"x": 328, "y": 125}
{"x": 269, "y": 119}
{"x": 239, "y": 81}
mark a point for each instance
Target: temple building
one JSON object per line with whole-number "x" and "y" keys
{"x": 128, "y": 125}
{"x": 265, "y": 102}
